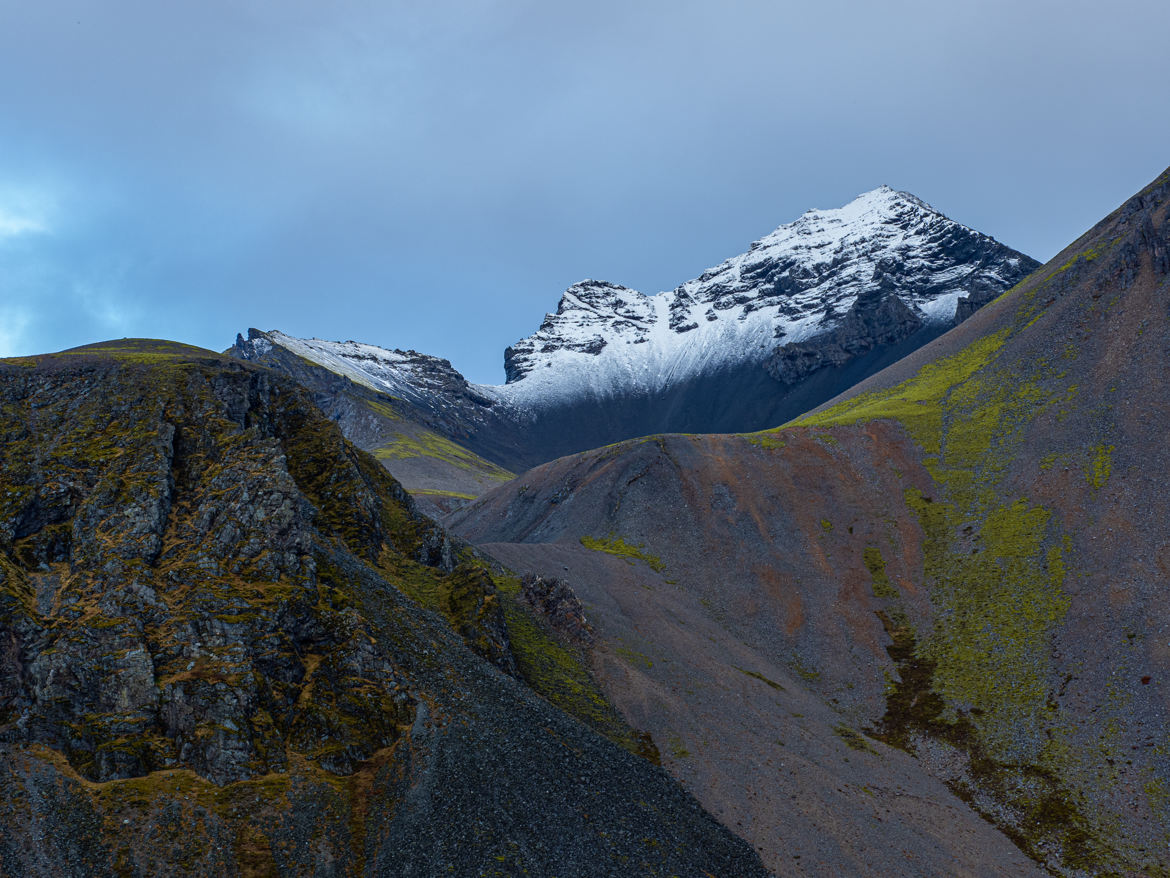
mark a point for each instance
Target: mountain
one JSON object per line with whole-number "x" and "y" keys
{"x": 413, "y": 412}
{"x": 230, "y": 644}
{"x": 954, "y": 574}
{"x": 797, "y": 283}
{"x": 808, "y": 311}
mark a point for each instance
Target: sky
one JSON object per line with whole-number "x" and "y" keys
{"x": 434, "y": 175}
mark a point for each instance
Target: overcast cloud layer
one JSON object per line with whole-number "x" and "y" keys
{"x": 434, "y": 175}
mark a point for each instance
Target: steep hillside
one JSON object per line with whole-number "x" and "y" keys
{"x": 808, "y": 311}
{"x": 966, "y": 559}
{"x": 727, "y": 581}
{"x": 215, "y": 657}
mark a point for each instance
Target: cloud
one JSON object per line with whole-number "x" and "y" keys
{"x": 25, "y": 210}
{"x": 14, "y": 321}
{"x": 13, "y": 224}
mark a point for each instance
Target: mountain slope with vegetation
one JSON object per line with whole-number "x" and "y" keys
{"x": 217, "y": 657}
{"x": 423, "y": 445}
{"x": 965, "y": 558}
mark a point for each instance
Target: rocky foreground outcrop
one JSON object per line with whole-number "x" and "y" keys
{"x": 213, "y": 658}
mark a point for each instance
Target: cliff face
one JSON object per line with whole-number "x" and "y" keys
{"x": 965, "y": 558}
{"x": 210, "y": 664}
{"x": 877, "y": 318}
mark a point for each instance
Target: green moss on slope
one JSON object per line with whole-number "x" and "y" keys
{"x": 995, "y": 563}
{"x": 1100, "y": 466}
{"x": 917, "y": 403}
{"x": 558, "y": 671}
{"x": 882, "y": 587}
{"x": 615, "y": 545}
{"x": 429, "y": 444}
{"x": 998, "y": 607}
{"x": 436, "y": 492}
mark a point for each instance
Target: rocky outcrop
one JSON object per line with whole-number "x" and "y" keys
{"x": 589, "y": 315}
{"x": 876, "y": 318}
{"x": 555, "y": 599}
{"x": 142, "y": 522}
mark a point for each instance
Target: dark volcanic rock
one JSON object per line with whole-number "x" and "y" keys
{"x": 877, "y": 318}
{"x": 210, "y": 665}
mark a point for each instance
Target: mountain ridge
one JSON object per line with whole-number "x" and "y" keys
{"x": 807, "y": 311}
{"x": 800, "y": 275}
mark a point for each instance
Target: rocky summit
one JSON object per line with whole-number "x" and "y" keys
{"x": 805, "y": 313}
{"x": 231, "y": 645}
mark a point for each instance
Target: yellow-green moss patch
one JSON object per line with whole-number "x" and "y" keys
{"x": 756, "y": 675}
{"x": 876, "y": 564}
{"x": 558, "y": 671}
{"x": 1100, "y": 466}
{"x": 426, "y": 443}
{"x": 615, "y": 545}
{"x": 769, "y": 439}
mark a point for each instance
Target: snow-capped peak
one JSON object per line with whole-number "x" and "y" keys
{"x": 794, "y": 283}
{"x": 790, "y": 288}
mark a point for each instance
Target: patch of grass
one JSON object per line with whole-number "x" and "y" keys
{"x": 854, "y": 739}
{"x": 426, "y": 443}
{"x": 381, "y": 408}
{"x": 435, "y": 492}
{"x": 769, "y": 439}
{"x": 882, "y": 587}
{"x": 917, "y": 402}
{"x": 615, "y": 545}
{"x": 806, "y": 673}
{"x": 1100, "y": 466}
{"x": 633, "y": 657}
{"x": 558, "y": 672}
{"x": 999, "y": 606}
{"x": 143, "y": 351}
{"x": 758, "y": 676}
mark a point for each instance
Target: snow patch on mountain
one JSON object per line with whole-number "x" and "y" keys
{"x": 429, "y": 382}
